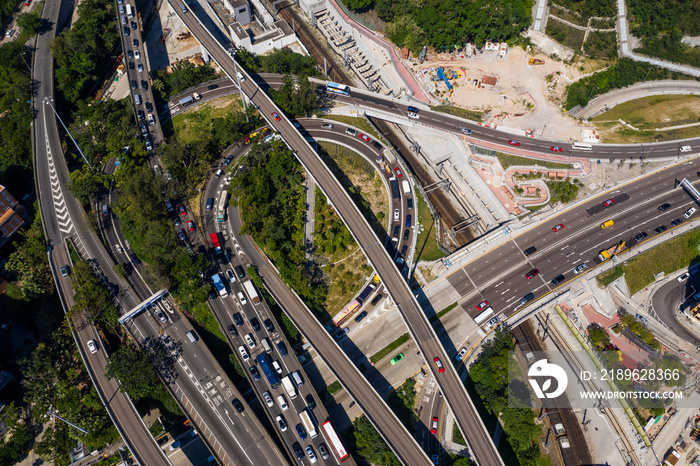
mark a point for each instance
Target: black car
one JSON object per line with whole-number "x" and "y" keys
{"x": 282, "y": 348}
{"x": 298, "y": 451}
{"x": 182, "y": 234}
{"x": 310, "y": 401}
{"x": 212, "y": 87}
{"x": 254, "y": 372}
{"x": 228, "y": 160}
{"x": 663, "y": 207}
{"x": 133, "y": 25}
{"x": 144, "y": 85}
{"x": 141, "y": 117}
{"x": 377, "y": 145}
{"x": 255, "y": 324}
{"x": 232, "y": 331}
{"x": 212, "y": 294}
{"x": 135, "y": 42}
{"x": 238, "y": 319}
{"x": 676, "y": 222}
{"x": 405, "y": 234}
{"x": 126, "y": 30}
{"x": 131, "y": 65}
{"x": 640, "y": 236}
{"x": 404, "y": 250}
{"x": 133, "y": 84}
{"x": 149, "y": 107}
{"x": 361, "y": 316}
{"x": 376, "y": 299}
{"x": 530, "y": 250}
{"x": 239, "y": 271}
{"x": 238, "y": 405}
{"x": 660, "y": 229}
{"x": 269, "y": 325}
{"x": 397, "y": 229}
{"x": 558, "y": 280}
{"x": 130, "y": 54}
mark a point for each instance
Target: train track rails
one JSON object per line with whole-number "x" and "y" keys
{"x": 566, "y": 349}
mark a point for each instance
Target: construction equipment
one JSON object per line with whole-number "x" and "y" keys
{"x": 606, "y": 254}
{"x": 535, "y": 61}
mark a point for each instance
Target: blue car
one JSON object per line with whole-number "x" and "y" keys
{"x": 301, "y": 432}
{"x": 408, "y": 221}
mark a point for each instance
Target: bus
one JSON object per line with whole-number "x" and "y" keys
{"x": 221, "y": 210}
{"x": 335, "y": 441}
{"x": 338, "y": 88}
{"x": 582, "y": 146}
{"x": 347, "y": 312}
{"x": 488, "y": 312}
{"x": 267, "y": 370}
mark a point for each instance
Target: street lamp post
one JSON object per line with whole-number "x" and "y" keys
{"x": 232, "y": 52}
{"x": 48, "y": 101}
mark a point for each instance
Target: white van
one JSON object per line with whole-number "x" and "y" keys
{"x": 406, "y": 187}
{"x": 240, "y": 76}
{"x": 192, "y": 336}
{"x": 266, "y": 344}
{"x": 297, "y": 378}
{"x": 183, "y": 8}
{"x": 137, "y": 98}
{"x": 686, "y": 149}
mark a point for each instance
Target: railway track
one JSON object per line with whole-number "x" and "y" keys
{"x": 566, "y": 349}
{"x": 438, "y": 198}
{"x": 558, "y": 409}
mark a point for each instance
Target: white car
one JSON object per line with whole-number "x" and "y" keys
{"x": 241, "y": 298}
{"x": 250, "y": 341}
{"x": 683, "y": 277}
{"x": 281, "y": 423}
{"x": 244, "y": 353}
{"x": 92, "y": 346}
{"x": 268, "y": 399}
{"x": 461, "y": 354}
{"x": 310, "y": 453}
{"x": 327, "y": 126}
{"x": 231, "y": 276}
{"x": 277, "y": 367}
{"x": 689, "y": 212}
{"x": 282, "y": 402}
{"x": 413, "y": 115}
{"x": 397, "y": 215}
{"x": 580, "y": 268}
{"x": 137, "y": 55}
{"x": 161, "y": 316}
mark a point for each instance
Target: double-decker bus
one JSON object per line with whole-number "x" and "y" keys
{"x": 335, "y": 441}
{"x": 221, "y": 210}
{"x": 267, "y": 370}
{"x": 338, "y": 88}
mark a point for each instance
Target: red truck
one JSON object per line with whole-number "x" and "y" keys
{"x": 215, "y": 242}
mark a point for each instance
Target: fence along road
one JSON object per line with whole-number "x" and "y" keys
{"x": 453, "y": 390}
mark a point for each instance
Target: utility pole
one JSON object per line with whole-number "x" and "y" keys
{"x": 48, "y": 101}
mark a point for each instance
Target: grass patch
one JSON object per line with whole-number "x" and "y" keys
{"x": 458, "y": 112}
{"x": 390, "y": 348}
{"x": 427, "y": 248}
{"x": 508, "y": 160}
{"x": 566, "y": 15}
{"x": 608, "y": 23}
{"x": 334, "y": 388}
{"x": 402, "y": 402}
{"x": 359, "y": 123}
{"x": 674, "y": 254}
{"x": 443, "y": 312}
{"x": 565, "y": 34}
{"x": 653, "y": 112}
{"x": 604, "y": 279}
{"x": 191, "y": 124}
{"x": 601, "y": 44}
{"x": 457, "y": 435}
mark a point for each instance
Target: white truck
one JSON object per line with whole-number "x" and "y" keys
{"x": 252, "y": 293}
{"x": 290, "y": 387}
{"x": 130, "y": 11}
{"x": 308, "y": 423}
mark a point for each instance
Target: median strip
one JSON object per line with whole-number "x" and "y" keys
{"x": 388, "y": 349}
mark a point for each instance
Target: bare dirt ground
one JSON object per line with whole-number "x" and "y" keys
{"x": 524, "y": 97}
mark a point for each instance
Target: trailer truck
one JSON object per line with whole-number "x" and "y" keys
{"x": 215, "y": 242}
{"x": 289, "y": 387}
{"x": 252, "y": 293}
{"x": 219, "y": 285}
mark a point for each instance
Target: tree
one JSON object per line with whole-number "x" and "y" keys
{"x": 134, "y": 371}
{"x": 29, "y": 22}
{"x": 91, "y": 298}
{"x": 358, "y": 5}
{"x": 30, "y": 263}
{"x": 85, "y": 184}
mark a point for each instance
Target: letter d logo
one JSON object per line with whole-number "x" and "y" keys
{"x": 552, "y": 371}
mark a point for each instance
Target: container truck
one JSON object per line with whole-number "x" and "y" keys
{"x": 252, "y": 293}
{"x": 289, "y": 387}
{"x": 219, "y": 285}
{"x": 215, "y": 242}
{"x": 190, "y": 99}
{"x": 395, "y": 193}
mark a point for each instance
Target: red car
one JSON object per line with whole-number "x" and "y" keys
{"x": 608, "y": 202}
{"x": 190, "y": 225}
{"x": 398, "y": 172}
{"x": 276, "y": 116}
{"x": 513, "y": 143}
{"x": 484, "y": 304}
{"x": 434, "y": 426}
{"x": 183, "y": 212}
{"x": 557, "y": 149}
{"x": 558, "y": 227}
{"x": 532, "y": 273}
{"x": 364, "y": 137}
{"x": 439, "y": 365}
